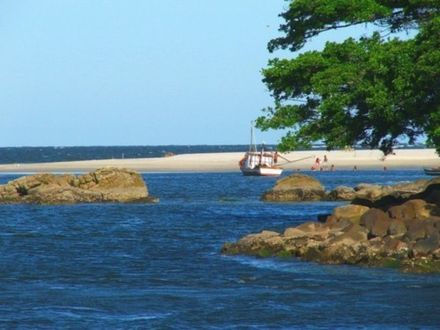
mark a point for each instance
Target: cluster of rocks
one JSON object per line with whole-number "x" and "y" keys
{"x": 301, "y": 187}
{"x": 395, "y": 226}
{"x": 103, "y": 185}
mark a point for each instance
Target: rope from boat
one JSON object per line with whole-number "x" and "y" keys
{"x": 294, "y": 161}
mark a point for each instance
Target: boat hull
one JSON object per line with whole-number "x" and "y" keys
{"x": 432, "y": 171}
{"x": 262, "y": 171}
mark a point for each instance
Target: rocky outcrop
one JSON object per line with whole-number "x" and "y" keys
{"x": 342, "y": 193}
{"x": 300, "y": 187}
{"x": 397, "y": 226}
{"x": 296, "y": 187}
{"x": 103, "y": 185}
{"x": 372, "y": 195}
{"x": 351, "y": 213}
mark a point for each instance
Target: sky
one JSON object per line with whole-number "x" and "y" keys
{"x": 136, "y": 72}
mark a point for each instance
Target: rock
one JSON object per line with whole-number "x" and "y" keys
{"x": 368, "y": 191}
{"x": 294, "y": 188}
{"x": 434, "y": 220}
{"x": 377, "y": 196}
{"x": 294, "y": 233}
{"x": 337, "y": 225}
{"x": 416, "y": 231}
{"x": 256, "y": 239}
{"x": 352, "y": 234}
{"x": 103, "y": 185}
{"x": 393, "y": 226}
{"x": 425, "y": 246}
{"x": 309, "y": 229}
{"x": 386, "y": 196}
{"x": 414, "y": 208}
{"x": 342, "y": 193}
{"x": 401, "y": 212}
{"x": 380, "y": 228}
{"x": 116, "y": 184}
{"x": 421, "y": 208}
{"x": 342, "y": 253}
{"x": 391, "y": 243}
{"x": 262, "y": 244}
{"x": 309, "y": 226}
{"x": 366, "y": 186}
{"x": 267, "y": 234}
{"x": 436, "y": 254}
{"x": 352, "y": 213}
{"x": 397, "y": 227}
{"x": 376, "y": 221}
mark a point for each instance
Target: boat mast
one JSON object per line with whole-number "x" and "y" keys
{"x": 252, "y": 145}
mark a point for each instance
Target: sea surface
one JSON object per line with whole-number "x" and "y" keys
{"x": 159, "y": 266}
{"x": 12, "y": 155}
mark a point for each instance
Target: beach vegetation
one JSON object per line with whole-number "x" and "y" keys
{"x": 375, "y": 90}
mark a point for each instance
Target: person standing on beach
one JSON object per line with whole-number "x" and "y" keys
{"x": 325, "y": 163}
{"x": 317, "y": 164}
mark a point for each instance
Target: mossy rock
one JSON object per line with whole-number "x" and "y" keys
{"x": 422, "y": 266}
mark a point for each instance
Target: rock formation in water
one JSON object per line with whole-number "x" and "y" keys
{"x": 296, "y": 187}
{"x": 301, "y": 187}
{"x": 103, "y": 185}
{"x": 397, "y": 226}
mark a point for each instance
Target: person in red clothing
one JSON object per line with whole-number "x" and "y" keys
{"x": 317, "y": 164}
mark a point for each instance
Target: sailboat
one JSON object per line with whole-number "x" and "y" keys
{"x": 259, "y": 163}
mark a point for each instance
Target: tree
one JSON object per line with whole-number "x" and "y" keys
{"x": 372, "y": 91}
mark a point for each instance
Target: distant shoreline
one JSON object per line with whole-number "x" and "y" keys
{"x": 228, "y": 162}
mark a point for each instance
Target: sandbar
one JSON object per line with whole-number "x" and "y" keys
{"x": 228, "y": 162}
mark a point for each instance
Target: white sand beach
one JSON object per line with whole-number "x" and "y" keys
{"x": 227, "y": 162}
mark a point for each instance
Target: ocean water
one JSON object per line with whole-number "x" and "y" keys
{"x": 12, "y": 155}
{"x": 158, "y": 266}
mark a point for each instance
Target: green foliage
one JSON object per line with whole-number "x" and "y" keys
{"x": 370, "y": 91}
{"x": 22, "y": 190}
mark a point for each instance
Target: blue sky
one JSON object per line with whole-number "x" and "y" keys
{"x": 135, "y": 72}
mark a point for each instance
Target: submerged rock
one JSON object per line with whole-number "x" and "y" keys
{"x": 295, "y": 188}
{"x": 103, "y": 185}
